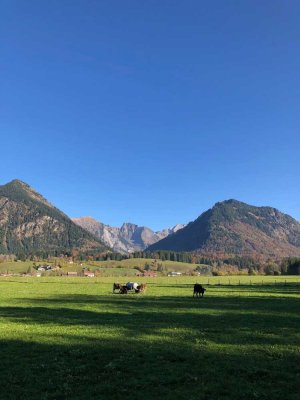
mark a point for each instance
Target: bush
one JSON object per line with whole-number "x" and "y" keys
{"x": 272, "y": 269}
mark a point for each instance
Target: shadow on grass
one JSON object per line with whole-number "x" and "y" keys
{"x": 133, "y": 347}
{"x": 284, "y": 288}
{"x": 225, "y": 320}
{"x": 222, "y": 298}
{"x": 123, "y": 369}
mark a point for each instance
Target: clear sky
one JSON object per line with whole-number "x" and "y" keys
{"x": 151, "y": 111}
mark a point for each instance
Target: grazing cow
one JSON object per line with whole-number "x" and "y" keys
{"x": 116, "y": 286}
{"x": 141, "y": 288}
{"x": 123, "y": 289}
{"x": 198, "y": 289}
{"x": 132, "y": 285}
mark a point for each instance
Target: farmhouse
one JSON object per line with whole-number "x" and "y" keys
{"x": 89, "y": 274}
{"x": 46, "y": 268}
{"x": 150, "y": 274}
{"x": 173, "y": 273}
{"x": 71, "y": 273}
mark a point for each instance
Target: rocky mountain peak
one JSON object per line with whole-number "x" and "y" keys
{"x": 126, "y": 239}
{"x": 17, "y": 189}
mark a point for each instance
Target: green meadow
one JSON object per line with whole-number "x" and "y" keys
{"x": 127, "y": 267}
{"x": 72, "y": 338}
{"x": 141, "y": 262}
{"x": 15, "y": 267}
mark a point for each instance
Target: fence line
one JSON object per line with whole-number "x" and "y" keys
{"x": 249, "y": 283}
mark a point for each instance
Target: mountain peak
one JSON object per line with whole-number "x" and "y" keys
{"x": 233, "y": 202}
{"x": 17, "y": 182}
{"x": 234, "y": 227}
{"x": 128, "y": 224}
{"x": 127, "y": 238}
{"x": 18, "y": 190}
{"x": 29, "y": 224}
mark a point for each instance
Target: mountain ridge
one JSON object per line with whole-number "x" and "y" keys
{"x": 29, "y": 223}
{"x": 234, "y": 227}
{"x": 125, "y": 239}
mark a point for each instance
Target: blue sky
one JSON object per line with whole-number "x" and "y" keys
{"x": 151, "y": 111}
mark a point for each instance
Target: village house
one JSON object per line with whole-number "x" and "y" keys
{"x": 173, "y": 273}
{"x": 89, "y": 274}
{"x": 72, "y": 273}
{"x": 150, "y": 274}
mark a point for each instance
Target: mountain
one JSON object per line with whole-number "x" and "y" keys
{"x": 126, "y": 239}
{"x": 233, "y": 227}
{"x": 29, "y": 223}
{"x": 168, "y": 231}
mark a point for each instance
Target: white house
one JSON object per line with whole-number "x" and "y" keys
{"x": 174, "y": 273}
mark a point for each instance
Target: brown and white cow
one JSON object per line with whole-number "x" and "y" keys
{"x": 141, "y": 288}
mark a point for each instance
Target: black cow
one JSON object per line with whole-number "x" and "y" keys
{"x": 123, "y": 289}
{"x": 116, "y": 286}
{"x": 198, "y": 289}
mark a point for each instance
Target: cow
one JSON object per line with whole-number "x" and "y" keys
{"x": 132, "y": 285}
{"x": 141, "y": 288}
{"x": 198, "y": 289}
{"x": 123, "y": 289}
{"x": 116, "y": 286}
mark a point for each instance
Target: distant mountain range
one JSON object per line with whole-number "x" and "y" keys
{"x": 233, "y": 227}
{"x": 126, "y": 239}
{"x": 30, "y": 224}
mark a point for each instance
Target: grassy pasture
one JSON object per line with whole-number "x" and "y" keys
{"x": 71, "y": 338}
{"x": 15, "y": 267}
{"x": 117, "y": 272}
{"x": 141, "y": 262}
{"x": 110, "y": 267}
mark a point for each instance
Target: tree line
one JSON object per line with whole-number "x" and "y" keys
{"x": 219, "y": 264}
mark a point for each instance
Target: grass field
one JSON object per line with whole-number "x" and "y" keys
{"x": 15, "y": 267}
{"x": 110, "y": 267}
{"x": 141, "y": 262}
{"x": 71, "y": 338}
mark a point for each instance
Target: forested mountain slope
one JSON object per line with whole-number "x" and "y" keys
{"x": 29, "y": 223}
{"x": 233, "y": 227}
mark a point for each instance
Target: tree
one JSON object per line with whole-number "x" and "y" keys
{"x": 147, "y": 267}
{"x": 271, "y": 269}
{"x": 29, "y": 270}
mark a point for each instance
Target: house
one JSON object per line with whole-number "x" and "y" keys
{"x": 150, "y": 274}
{"x": 173, "y": 273}
{"x": 72, "y": 273}
{"x": 89, "y": 274}
{"x": 45, "y": 268}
